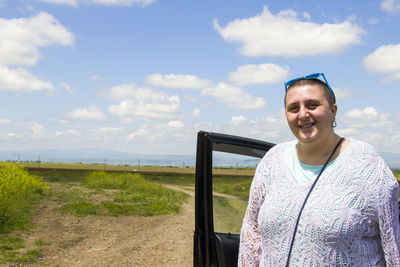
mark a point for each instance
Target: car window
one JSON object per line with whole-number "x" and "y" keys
{"x": 231, "y": 178}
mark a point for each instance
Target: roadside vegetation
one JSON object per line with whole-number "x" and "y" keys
{"x": 19, "y": 192}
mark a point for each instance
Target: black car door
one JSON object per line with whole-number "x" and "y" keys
{"x": 218, "y": 216}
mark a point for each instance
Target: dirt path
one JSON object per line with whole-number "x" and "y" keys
{"x": 114, "y": 241}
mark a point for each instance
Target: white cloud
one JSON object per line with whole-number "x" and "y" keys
{"x": 385, "y": 59}
{"x": 367, "y": 117}
{"x": 341, "y": 93}
{"x": 390, "y": 5}
{"x": 285, "y": 34}
{"x": 143, "y": 102}
{"x": 37, "y": 130}
{"x": 20, "y": 39}
{"x": 235, "y": 120}
{"x": 178, "y": 81}
{"x": 196, "y": 113}
{"x": 109, "y": 130}
{"x": 5, "y": 121}
{"x": 259, "y": 74}
{"x": 234, "y": 97}
{"x": 176, "y": 124}
{"x": 20, "y": 79}
{"x": 73, "y": 3}
{"x": 138, "y": 133}
{"x": 91, "y": 112}
{"x": 347, "y": 132}
{"x": 67, "y": 87}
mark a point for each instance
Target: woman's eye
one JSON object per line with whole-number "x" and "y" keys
{"x": 312, "y": 105}
{"x": 293, "y": 109}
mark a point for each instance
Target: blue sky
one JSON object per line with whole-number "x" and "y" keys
{"x": 144, "y": 76}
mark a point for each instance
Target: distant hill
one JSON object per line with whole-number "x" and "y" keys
{"x": 125, "y": 158}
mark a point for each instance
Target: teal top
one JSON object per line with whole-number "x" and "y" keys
{"x": 303, "y": 173}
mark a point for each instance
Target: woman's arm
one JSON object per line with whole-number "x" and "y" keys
{"x": 388, "y": 214}
{"x": 250, "y": 239}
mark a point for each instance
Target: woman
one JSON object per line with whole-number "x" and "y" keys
{"x": 302, "y": 213}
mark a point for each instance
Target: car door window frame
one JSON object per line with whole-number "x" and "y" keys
{"x": 209, "y": 246}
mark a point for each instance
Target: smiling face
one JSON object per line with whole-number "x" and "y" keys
{"x": 309, "y": 113}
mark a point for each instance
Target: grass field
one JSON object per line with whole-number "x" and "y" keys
{"x": 79, "y": 193}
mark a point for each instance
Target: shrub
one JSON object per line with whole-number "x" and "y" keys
{"x": 19, "y": 190}
{"x": 138, "y": 196}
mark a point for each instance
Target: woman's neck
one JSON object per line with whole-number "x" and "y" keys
{"x": 316, "y": 153}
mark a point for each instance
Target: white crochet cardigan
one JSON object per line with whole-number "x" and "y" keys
{"x": 350, "y": 219}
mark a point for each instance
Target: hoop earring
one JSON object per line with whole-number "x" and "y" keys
{"x": 334, "y": 124}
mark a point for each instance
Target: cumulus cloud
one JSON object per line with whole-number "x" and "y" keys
{"x": 20, "y": 39}
{"x": 234, "y": 97}
{"x": 367, "y": 117}
{"x": 259, "y": 74}
{"x": 386, "y": 60}
{"x": 235, "y": 120}
{"x": 109, "y": 130}
{"x": 196, "y": 113}
{"x": 69, "y": 132}
{"x": 348, "y": 132}
{"x": 138, "y": 133}
{"x": 37, "y": 130}
{"x": 144, "y": 103}
{"x": 178, "y": 81}
{"x": 91, "y": 112}
{"x": 390, "y": 5}
{"x": 67, "y": 87}
{"x": 285, "y": 34}
{"x": 341, "y": 93}
{"x": 21, "y": 80}
{"x": 176, "y": 124}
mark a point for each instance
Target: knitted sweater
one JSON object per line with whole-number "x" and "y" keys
{"x": 350, "y": 219}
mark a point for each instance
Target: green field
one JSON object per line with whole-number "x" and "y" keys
{"x": 79, "y": 193}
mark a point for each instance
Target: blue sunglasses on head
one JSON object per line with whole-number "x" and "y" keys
{"x": 309, "y": 77}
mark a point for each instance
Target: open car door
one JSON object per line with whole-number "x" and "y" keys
{"x": 218, "y": 216}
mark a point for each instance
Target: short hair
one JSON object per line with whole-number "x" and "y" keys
{"x": 330, "y": 96}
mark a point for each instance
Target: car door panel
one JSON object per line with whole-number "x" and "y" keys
{"x": 216, "y": 248}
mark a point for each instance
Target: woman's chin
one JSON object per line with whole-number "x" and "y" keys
{"x": 307, "y": 137}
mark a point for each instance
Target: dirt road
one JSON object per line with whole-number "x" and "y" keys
{"x": 113, "y": 241}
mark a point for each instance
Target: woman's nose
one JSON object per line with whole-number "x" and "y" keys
{"x": 303, "y": 113}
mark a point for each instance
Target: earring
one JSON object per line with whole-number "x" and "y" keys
{"x": 334, "y": 124}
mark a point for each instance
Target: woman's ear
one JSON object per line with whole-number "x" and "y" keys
{"x": 334, "y": 109}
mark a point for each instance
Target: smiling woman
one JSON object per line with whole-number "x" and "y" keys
{"x": 321, "y": 199}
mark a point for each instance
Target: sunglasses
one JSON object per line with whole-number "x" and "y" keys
{"x": 309, "y": 77}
